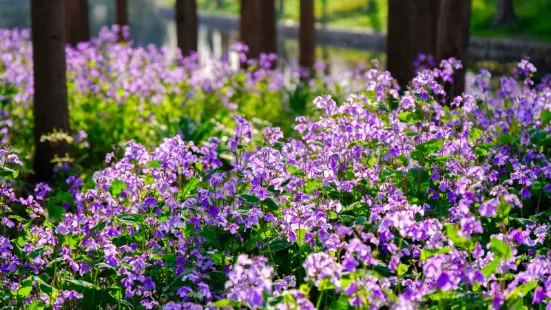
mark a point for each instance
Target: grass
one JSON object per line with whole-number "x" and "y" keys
{"x": 533, "y": 21}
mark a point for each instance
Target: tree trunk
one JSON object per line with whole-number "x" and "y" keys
{"x": 433, "y": 27}
{"x": 186, "y": 26}
{"x": 257, "y": 26}
{"x": 77, "y": 21}
{"x": 399, "y": 41}
{"x": 50, "y": 85}
{"x": 307, "y": 34}
{"x": 505, "y": 12}
{"x": 122, "y": 16}
{"x": 453, "y": 39}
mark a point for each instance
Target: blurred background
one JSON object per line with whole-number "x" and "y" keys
{"x": 502, "y": 31}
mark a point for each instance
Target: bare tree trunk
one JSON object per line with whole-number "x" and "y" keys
{"x": 433, "y": 27}
{"x": 50, "y": 85}
{"x": 186, "y": 26}
{"x": 77, "y": 21}
{"x": 257, "y": 26}
{"x": 453, "y": 39}
{"x": 399, "y": 44}
{"x": 307, "y": 34}
{"x": 505, "y": 13}
{"x": 122, "y": 16}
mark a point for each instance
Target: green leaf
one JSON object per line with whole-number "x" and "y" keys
{"x": 426, "y": 253}
{"x": 130, "y": 219}
{"x": 300, "y": 236}
{"x": 383, "y": 271}
{"x": 99, "y": 227}
{"x": 408, "y": 117}
{"x": 271, "y": 204}
{"x": 505, "y": 139}
{"x": 459, "y": 241}
{"x": 249, "y": 198}
{"x": 127, "y": 304}
{"x": 277, "y": 245}
{"x": 26, "y": 287}
{"x": 340, "y": 304}
{"x": 116, "y": 188}
{"x": 500, "y": 249}
{"x": 45, "y": 287}
{"x": 522, "y": 290}
{"x": 80, "y": 283}
{"x": 222, "y": 303}
{"x": 210, "y": 237}
{"x": 475, "y": 134}
{"x": 401, "y": 269}
{"x": 545, "y": 117}
{"x": 424, "y": 149}
{"x": 154, "y": 164}
{"x": 55, "y": 211}
{"x": 491, "y": 267}
{"x": 503, "y": 208}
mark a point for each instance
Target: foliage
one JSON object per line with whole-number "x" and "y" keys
{"x": 382, "y": 200}
{"x": 532, "y": 22}
{"x": 114, "y": 89}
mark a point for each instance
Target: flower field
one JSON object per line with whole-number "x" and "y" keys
{"x": 347, "y": 195}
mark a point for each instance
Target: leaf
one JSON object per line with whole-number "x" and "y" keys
{"x": 401, "y": 269}
{"x": 222, "y": 303}
{"x": 105, "y": 266}
{"x": 127, "y": 304}
{"x": 278, "y": 244}
{"x": 210, "y": 237}
{"x": 383, "y": 271}
{"x": 340, "y": 304}
{"x": 426, "y": 253}
{"x": 249, "y": 198}
{"x": 407, "y": 117}
{"x": 545, "y": 117}
{"x": 99, "y": 227}
{"x": 500, "y": 249}
{"x": 522, "y": 290}
{"x": 300, "y": 236}
{"x": 80, "y": 283}
{"x": 459, "y": 241}
{"x": 154, "y": 164}
{"x": 505, "y": 139}
{"x": 45, "y": 287}
{"x": 424, "y": 149}
{"x": 55, "y": 211}
{"x": 116, "y": 188}
{"x": 418, "y": 175}
{"x": 270, "y": 204}
{"x": 129, "y": 219}
{"x": 491, "y": 267}
{"x": 26, "y": 288}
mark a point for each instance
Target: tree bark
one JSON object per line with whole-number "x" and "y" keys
{"x": 186, "y": 26}
{"x": 77, "y": 21}
{"x": 440, "y": 28}
{"x": 122, "y": 16}
{"x": 505, "y": 12}
{"x": 453, "y": 39}
{"x": 307, "y": 34}
{"x": 50, "y": 85}
{"x": 399, "y": 44}
{"x": 257, "y": 26}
